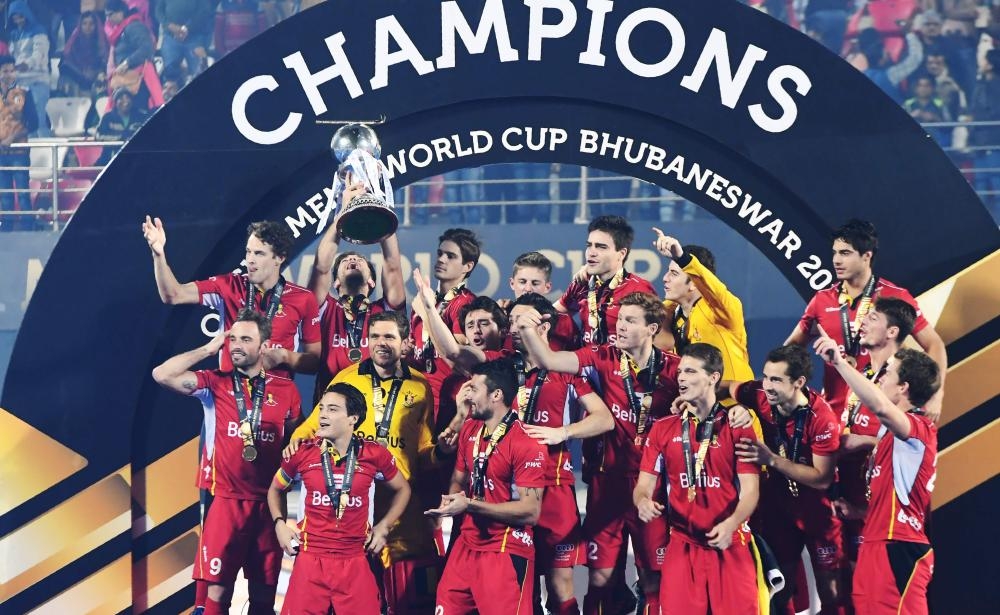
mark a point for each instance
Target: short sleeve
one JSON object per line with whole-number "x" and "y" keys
{"x": 204, "y": 378}
{"x": 588, "y": 355}
{"x": 212, "y": 292}
{"x": 750, "y": 432}
{"x": 826, "y": 435}
{"x": 571, "y": 298}
{"x": 529, "y": 462}
{"x": 462, "y": 455}
{"x": 289, "y": 468}
{"x": 810, "y": 316}
{"x": 920, "y": 323}
{"x": 581, "y": 386}
{"x": 310, "y": 320}
{"x": 385, "y": 464}
{"x": 653, "y": 451}
{"x": 295, "y": 405}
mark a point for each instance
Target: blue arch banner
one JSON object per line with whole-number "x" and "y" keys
{"x": 736, "y": 112}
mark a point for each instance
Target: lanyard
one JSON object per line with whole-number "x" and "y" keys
{"x": 854, "y": 402}
{"x": 595, "y": 313}
{"x": 273, "y": 303}
{"x": 852, "y": 331}
{"x": 353, "y": 326}
{"x": 799, "y": 414}
{"x": 694, "y": 463}
{"x": 249, "y": 421}
{"x": 339, "y": 498}
{"x": 527, "y": 400}
{"x": 652, "y": 376}
{"x": 383, "y": 408}
{"x": 479, "y": 460}
{"x": 681, "y": 325}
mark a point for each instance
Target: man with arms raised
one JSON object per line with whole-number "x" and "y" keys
{"x": 251, "y": 411}
{"x": 497, "y": 484}
{"x": 399, "y": 416}
{"x": 841, "y": 309}
{"x": 638, "y": 382}
{"x": 708, "y": 567}
{"x": 339, "y": 470}
{"x": 895, "y": 561}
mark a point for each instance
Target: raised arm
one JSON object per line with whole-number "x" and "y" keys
{"x": 321, "y": 278}
{"x": 393, "y": 288}
{"x": 175, "y": 373}
{"x": 538, "y": 349}
{"x": 462, "y": 356}
{"x": 933, "y": 345}
{"x": 171, "y": 291}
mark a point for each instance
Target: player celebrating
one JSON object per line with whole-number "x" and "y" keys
{"x": 842, "y": 308}
{"x": 338, "y": 470}
{"x": 497, "y": 483}
{"x": 700, "y": 308}
{"x": 800, "y": 444}
{"x": 342, "y": 284}
{"x": 708, "y": 567}
{"x": 532, "y": 273}
{"x": 896, "y": 561}
{"x": 251, "y": 411}
{"x": 638, "y": 382}
{"x": 609, "y": 240}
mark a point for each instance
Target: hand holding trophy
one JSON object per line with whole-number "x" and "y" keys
{"x": 368, "y": 217}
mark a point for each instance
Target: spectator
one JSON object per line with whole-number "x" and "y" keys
{"x": 29, "y": 44}
{"x": 123, "y": 120}
{"x": 925, "y": 107}
{"x": 85, "y": 58}
{"x": 945, "y": 88}
{"x": 873, "y": 59}
{"x": 65, "y": 15}
{"x": 985, "y": 107}
{"x": 187, "y": 32}
{"x": 960, "y": 17}
{"x": 17, "y": 119}
{"x": 237, "y": 22}
{"x": 826, "y": 21}
{"x": 130, "y": 62}
{"x": 173, "y": 81}
{"x": 959, "y": 51}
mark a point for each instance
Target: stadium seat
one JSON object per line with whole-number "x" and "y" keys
{"x": 101, "y": 105}
{"x": 68, "y": 115}
{"x": 41, "y": 162}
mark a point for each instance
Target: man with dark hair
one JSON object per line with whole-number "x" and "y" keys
{"x": 400, "y": 416}
{"x": 18, "y": 119}
{"x": 532, "y": 273}
{"x": 338, "y": 469}
{"x": 798, "y": 447}
{"x": 707, "y": 567}
{"x": 498, "y": 484}
{"x": 638, "y": 382}
{"x": 251, "y": 411}
{"x": 343, "y": 284}
{"x": 598, "y": 299}
{"x": 700, "y": 308}
{"x": 895, "y": 561}
{"x": 882, "y": 335}
{"x": 841, "y": 309}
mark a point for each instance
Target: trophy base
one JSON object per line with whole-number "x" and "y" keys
{"x": 367, "y": 220}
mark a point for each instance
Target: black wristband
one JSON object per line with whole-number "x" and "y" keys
{"x": 684, "y": 260}
{"x": 276, "y": 519}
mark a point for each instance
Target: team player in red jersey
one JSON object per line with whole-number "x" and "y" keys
{"x": 708, "y": 566}
{"x": 801, "y": 437}
{"x": 249, "y": 413}
{"x": 533, "y": 274}
{"x": 638, "y": 382}
{"x": 598, "y": 299}
{"x": 498, "y": 483}
{"x": 895, "y": 561}
{"x": 343, "y": 284}
{"x": 882, "y": 333}
{"x": 290, "y": 309}
{"x": 339, "y": 470}
{"x": 842, "y": 308}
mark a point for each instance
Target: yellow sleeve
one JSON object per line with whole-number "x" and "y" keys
{"x": 724, "y": 303}
{"x": 426, "y": 444}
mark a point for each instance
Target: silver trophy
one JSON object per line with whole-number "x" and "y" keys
{"x": 369, "y": 217}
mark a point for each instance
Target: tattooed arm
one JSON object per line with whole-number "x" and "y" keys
{"x": 175, "y": 373}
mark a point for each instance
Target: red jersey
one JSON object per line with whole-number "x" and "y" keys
{"x": 320, "y": 530}
{"x": 851, "y": 468}
{"x": 617, "y": 451}
{"x": 824, "y": 309}
{"x": 564, "y": 335}
{"x": 295, "y": 322}
{"x": 423, "y": 358}
{"x": 517, "y": 461}
{"x": 716, "y": 489}
{"x": 556, "y": 406}
{"x": 820, "y": 436}
{"x": 902, "y": 479}
{"x": 609, "y": 296}
{"x": 228, "y": 475}
{"x": 343, "y": 338}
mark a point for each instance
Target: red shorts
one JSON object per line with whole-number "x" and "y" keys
{"x": 810, "y": 523}
{"x": 411, "y": 586}
{"x": 557, "y": 534}
{"x": 238, "y": 534}
{"x": 611, "y": 517}
{"x": 320, "y": 582}
{"x": 486, "y": 582}
{"x": 697, "y": 579}
{"x": 892, "y": 577}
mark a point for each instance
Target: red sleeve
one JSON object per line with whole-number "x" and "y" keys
{"x": 462, "y": 457}
{"x": 744, "y": 466}
{"x": 204, "y": 377}
{"x": 653, "y": 450}
{"x": 746, "y": 394}
{"x": 310, "y": 320}
{"x": 529, "y": 462}
{"x": 385, "y": 463}
{"x": 455, "y": 308}
{"x": 825, "y": 434}
{"x": 581, "y": 386}
{"x": 921, "y": 323}
{"x": 810, "y": 316}
{"x": 215, "y": 285}
{"x": 493, "y": 355}
{"x": 920, "y": 428}
{"x": 571, "y": 298}
{"x": 295, "y": 409}
{"x": 589, "y": 355}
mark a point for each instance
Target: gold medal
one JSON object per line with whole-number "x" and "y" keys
{"x": 383, "y": 441}
{"x": 354, "y": 354}
{"x": 691, "y": 493}
{"x": 638, "y": 440}
{"x": 345, "y": 499}
{"x": 245, "y": 430}
{"x": 522, "y": 398}
{"x": 249, "y": 452}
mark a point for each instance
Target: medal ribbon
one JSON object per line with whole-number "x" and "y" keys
{"x": 852, "y": 331}
{"x": 479, "y": 460}
{"x": 680, "y": 329}
{"x": 273, "y": 303}
{"x": 354, "y": 307}
{"x": 800, "y": 414}
{"x": 595, "y": 313}
{"x": 384, "y": 409}
{"x": 694, "y": 463}
{"x": 251, "y": 418}
{"x": 340, "y": 497}
{"x": 652, "y": 371}
{"x": 854, "y": 402}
